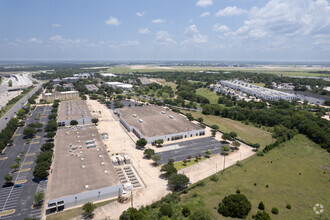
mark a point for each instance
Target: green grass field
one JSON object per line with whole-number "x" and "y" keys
{"x": 246, "y": 133}
{"x": 180, "y": 165}
{"x": 213, "y": 97}
{"x": 259, "y": 84}
{"x": 280, "y": 170}
{"x": 72, "y": 213}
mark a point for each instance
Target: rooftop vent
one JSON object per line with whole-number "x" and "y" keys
{"x": 86, "y": 186}
{"x": 102, "y": 163}
{"x": 162, "y": 112}
{"x": 171, "y": 116}
{"x": 100, "y": 155}
{"x": 82, "y": 158}
{"x": 105, "y": 171}
{"x": 134, "y": 115}
{"x": 83, "y": 166}
{"x": 140, "y": 120}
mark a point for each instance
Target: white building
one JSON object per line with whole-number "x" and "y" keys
{"x": 60, "y": 95}
{"x": 73, "y": 110}
{"x": 258, "y": 91}
{"x": 119, "y": 85}
{"x": 108, "y": 74}
{"x": 82, "y": 75}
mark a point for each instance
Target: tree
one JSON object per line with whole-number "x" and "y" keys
{"x": 8, "y": 178}
{"x": 200, "y": 119}
{"x": 159, "y": 142}
{"x": 149, "y": 153}
{"x": 262, "y": 216}
{"x": 186, "y": 211}
{"x": 141, "y": 142}
{"x": 51, "y": 126}
{"x": 10, "y": 83}
{"x": 50, "y": 135}
{"x": 236, "y": 144}
{"x": 235, "y": 206}
{"x": 190, "y": 117}
{"x": 156, "y": 158}
{"x": 215, "y": 127}
{"x": 40, "y": 170}
{"x": 88, "y": 208}
{"x": 38, "y": 125}
{"x": 18, "y": 160}
{"x": 14, "y": 166}
{"x": 214, "y": 132}
{"x": 274, "y": 211}
{"x": 47, "y": 146}
{"x": 131, "y": 214}
{"x": 233, "y": 135}
{"x": 200, "y": 215}
{"x": 39, "y": 197}
{"x": 178, "y": 181}
{"x": 95, "y": 120}
{"x": 169, "y": 169}
{"x": 261, "y": 206}
{"x": 29, "y": 132}
{"x": 52, "y": 116}
{"x": 165, "y": 210}
{"x": 256, "y": 146}
{"x": 226, "y": 136}
{"x": 74, "y": 123}
{"x": 208, "y": 153}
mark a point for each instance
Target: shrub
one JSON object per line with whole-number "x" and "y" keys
{"x": 201, "y": 183}
{"x": 200, "y": 215}
{"x": 288, "y": 206}
{"x": 262, "y": 216}
{"x": 214, "y": 178}
{"x": 235, "y": 206}
{"x": 238, "y": 191}
{"x": 261, "y": 206}
{"x": 171, "y": 198}
{"x": 186, "y": 211}
{"x": 165, "y": 210}
{"x": 275, "y": 211}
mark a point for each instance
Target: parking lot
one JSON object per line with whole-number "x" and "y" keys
{"x": 21, "y": 198}
{"x": 181, "y": 150}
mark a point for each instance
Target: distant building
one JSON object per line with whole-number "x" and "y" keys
{"x": 56, "y": 81}
{"x": 92, "y": 88}
{"x": 82, "y": 75}
{"x": 257, "y": 91}
{"x": 108, "y": 74}
{"x": 119, "y": 85}
{"x": 73, "y": 110}
{"x": 60, "y": 95}
{"x": 68, "y": 86}
{"x": 70, "y": 79}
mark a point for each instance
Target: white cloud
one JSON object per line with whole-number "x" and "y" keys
{"x": 131, "y": 43}
{"x": 287, "y": 19}
{"x": 63, "y": 42}
{"x": 230, "y": 11}
{"x": 35, "y": 40}
{"x": 193, "y": 36}
{"x": 158, "y": 21}
{"x": 204, "y": 3}
{"x": 164, "y": 38}
{"x": 140, "y": 14}
{"x": 205, "y": 14}
{"x": 143, "y": 31}
{"x": 220, "y": 28}
{"x": 113, "y": 21}
{"x": 56, "y": 25}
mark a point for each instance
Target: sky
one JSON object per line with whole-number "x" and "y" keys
{"x": 247, "y": 30}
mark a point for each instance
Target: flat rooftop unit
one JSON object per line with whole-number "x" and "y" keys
{"x": 153, "y": 121}
{"x": 76, "y": 165}
{"x": 73, "y": 110}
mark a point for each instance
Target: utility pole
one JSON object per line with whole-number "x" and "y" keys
{"x": 132, "y": 198}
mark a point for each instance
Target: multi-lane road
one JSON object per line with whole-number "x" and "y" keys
{"x": 12, "y": 112}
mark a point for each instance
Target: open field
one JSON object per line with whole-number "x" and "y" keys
{"x": 71, "y": 213}
{"x": 180, "y": 165}
{"x": 259, "y": 84}
{"x": 208, "y": 94}
{"x": 164, "y": 83}
{"x": 280, "y": 170}
{"x": 244, "y": 132}
{"x": 289, "y": 70}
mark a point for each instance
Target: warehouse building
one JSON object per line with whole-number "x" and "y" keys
{"x": 155, "y": 122}
{"x": 119, "y": 85}
{"x": 73, "y": 110}
{"x": 82, "y": 170}
{"x": 258, "y": 91}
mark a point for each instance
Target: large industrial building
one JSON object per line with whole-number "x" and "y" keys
{"x": 258, "y": 91}
{"x": 73, "y": 110}
{"x": 155, "y": 122}
{"x": 82, "y": 170}
{"x": 119, "y": 85}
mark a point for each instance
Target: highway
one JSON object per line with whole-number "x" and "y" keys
{"x": 12, "y": 112}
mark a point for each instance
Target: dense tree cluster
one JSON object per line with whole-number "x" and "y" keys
{"x": 7, "y": 133}
{"x": 235, "y": 206}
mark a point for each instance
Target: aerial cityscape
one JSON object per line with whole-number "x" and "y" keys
{"x": 157, "y": 110}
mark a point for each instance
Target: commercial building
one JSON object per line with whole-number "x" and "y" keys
{"x": 82, "y": 170}
{"x": 119, "y": 85}
{"x": 257, "y": 91}
{"x": 155, "y": 122}
{"x": 92, "y": 88}
{"x": 108, "y": 74}
{"x": 70, "y": 79}
{"x": 83, "y": 75}
{"x": 60, "y": 95}
{"x": 73, "y": 110}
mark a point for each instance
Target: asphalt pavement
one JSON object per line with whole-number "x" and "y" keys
{"x": 21, "y": 198}
{"x": 12, "y": 112}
